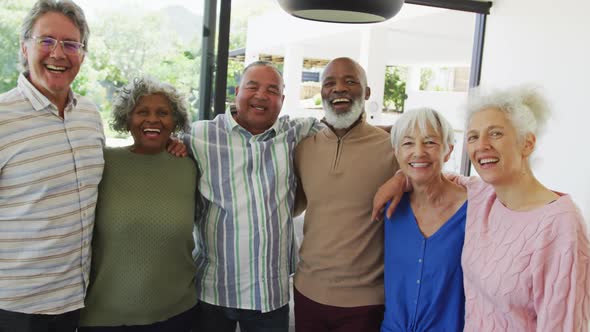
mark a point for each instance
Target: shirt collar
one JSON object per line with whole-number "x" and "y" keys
{"x": 36, "y": 98}
{"x": 230, "y": 121}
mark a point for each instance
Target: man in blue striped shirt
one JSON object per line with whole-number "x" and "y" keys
{"x": 245, "y": 250}
{"x": 50, "y": 165}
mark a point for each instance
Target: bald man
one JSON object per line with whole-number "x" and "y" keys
{"x": 339, "y": 279}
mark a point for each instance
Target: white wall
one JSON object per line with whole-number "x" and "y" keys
{"x": 449, "y": 104}
{"x": 546, "y": 42}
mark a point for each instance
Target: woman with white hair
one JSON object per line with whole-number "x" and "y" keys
{"x": 424, "y": 237}
{"x": 526, "y": 253}
{"x": 525, "y": 257}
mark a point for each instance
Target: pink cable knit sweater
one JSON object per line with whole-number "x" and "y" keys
{"x": 524, "y": 271}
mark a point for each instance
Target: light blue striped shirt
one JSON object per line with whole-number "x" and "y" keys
{"x": 245, "y": 249}
{"x": 49, "y": 174}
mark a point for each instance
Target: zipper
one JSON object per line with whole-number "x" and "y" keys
{"x": 337, "y": 157}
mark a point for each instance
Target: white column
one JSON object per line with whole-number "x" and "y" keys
{"x": 250, "y": 56}
{"x": 252, "y": 49}
{"x": 292, "y": 69}
{"x": 373, "y": 59}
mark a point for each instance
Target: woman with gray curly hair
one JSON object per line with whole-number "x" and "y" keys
{"x": 143, "y": 275}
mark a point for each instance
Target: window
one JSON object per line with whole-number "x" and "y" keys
{"x": 128, "y": 38}
{"x": 444, "y": 79}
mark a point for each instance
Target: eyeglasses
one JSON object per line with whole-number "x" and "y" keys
{"x": 48, "y": 44}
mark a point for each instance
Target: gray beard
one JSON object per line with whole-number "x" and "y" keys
{"x": 344, "y": 120}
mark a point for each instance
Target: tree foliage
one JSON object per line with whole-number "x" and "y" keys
{"x": 12, "y": 13}
{"x": 426, "y": 75}
{"x": 121, "y": 47}
{"x": 395, "y": 95}
{"x": 234, "y": 72}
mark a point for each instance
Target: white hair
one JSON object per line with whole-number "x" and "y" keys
{"x": 419, "y": 119}
{"x": 526, "y": 108}
{"x": 346, "y": 119}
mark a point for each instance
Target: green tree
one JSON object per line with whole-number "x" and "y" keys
{"x": 234, "y": 70}
{"x": 122, "y": 46}
{"x": 12, "y": 13}
{"x": 395, "y": 95}
{"x": 426, "y": 75}
{"x": 121, "y": 50}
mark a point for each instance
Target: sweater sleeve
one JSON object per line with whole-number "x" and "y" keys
{"x": 560, "y": 277}
{"x": 463, "y": 181}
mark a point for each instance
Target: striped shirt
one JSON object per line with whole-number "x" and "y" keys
{"x": 245, "y": 241}
{"x": 49, "y": 173}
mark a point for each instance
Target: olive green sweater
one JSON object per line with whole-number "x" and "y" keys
{"x": 142, "y": 267}
{"x": 341, "y": 256}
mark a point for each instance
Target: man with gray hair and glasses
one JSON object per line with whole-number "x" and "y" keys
{"x": 50, "y": 165}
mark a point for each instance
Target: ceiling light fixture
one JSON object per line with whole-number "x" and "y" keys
{"x": 343, "y": 11}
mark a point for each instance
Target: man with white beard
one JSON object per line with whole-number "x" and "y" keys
{"x": 339, "y": 279}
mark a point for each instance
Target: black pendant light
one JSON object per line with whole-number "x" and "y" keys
{"x": 343, "y": 11}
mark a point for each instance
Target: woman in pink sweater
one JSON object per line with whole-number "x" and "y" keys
{"x": 526, "y": 255}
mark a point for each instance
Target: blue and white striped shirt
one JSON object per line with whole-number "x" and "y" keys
{"x": 49, "y": 173}
{"x": 245, "y": 250}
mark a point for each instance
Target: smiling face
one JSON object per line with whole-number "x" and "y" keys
{"x": 52, "y": 72}
{"x": 151, "y": 122}
{"x": 421, "y": 156}
{"x": 259, "y": 99}
{"x": 343, "y": 90}
{"x": 494, "y": 148}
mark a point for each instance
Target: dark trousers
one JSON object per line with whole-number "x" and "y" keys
{"x": 180, "y": 323}
{"x": 311, "y": 316}
{"x": 18, "y": 322}
{"x": 212, "y": 318}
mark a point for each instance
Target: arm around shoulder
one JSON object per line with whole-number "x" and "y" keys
{"x": 392, "y": 190}
{"x": 308, "y": 127}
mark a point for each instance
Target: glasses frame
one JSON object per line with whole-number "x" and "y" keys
{"x": 79, "y": 46}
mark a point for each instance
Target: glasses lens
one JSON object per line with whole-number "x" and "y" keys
{"x": 46, "y": 43}
{"x": 71, "y": 47}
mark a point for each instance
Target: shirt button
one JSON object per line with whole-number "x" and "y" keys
{"x": 418, "y": 281}
{"x": 420, "y": 260}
